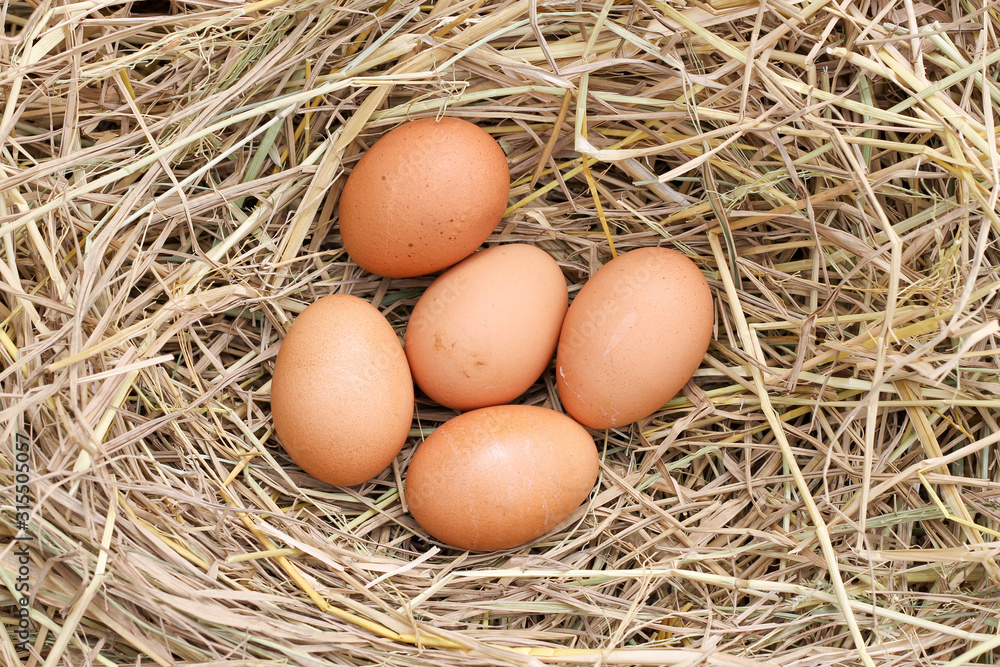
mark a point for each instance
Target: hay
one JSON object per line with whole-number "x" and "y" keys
{"x": 824, "y": 492}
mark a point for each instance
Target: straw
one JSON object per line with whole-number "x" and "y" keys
{"x": 825, "y": 490}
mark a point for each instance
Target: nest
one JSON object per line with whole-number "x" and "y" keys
{"x": 823, "y": 492}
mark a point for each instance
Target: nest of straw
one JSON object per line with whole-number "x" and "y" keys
{"x": 824, "y": 491}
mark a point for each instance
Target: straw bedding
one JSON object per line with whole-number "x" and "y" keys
{"x": 824, "y": 492}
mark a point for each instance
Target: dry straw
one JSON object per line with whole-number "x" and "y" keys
{"x": 825, "y": 492}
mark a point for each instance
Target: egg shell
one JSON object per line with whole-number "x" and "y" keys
{"x": 633, "y": 336}
{"x": 499, "y": 477}
{"x": 341, "y": 392}
{"x": 487, "y": 328}
{"x": 423, "y": 197}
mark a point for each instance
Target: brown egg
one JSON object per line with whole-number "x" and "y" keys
{"x": 341, "y": 393}
{"x": 486, "y": 329}
{"x": 424, "y": 197}
{"x": 633, "y": 336}
{"x": 501, "y": 476}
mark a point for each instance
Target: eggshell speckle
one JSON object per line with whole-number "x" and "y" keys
{"x": 633, "y": 336}
{"x": 341, "y": 393}
{"x": 486, "y": 329}
{"x": 498, "y": 477}
{"x": 424, "y": 197}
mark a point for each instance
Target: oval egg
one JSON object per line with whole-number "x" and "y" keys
{"x": 633, "y": 336}
{"x": 424, "y": 197}
{"x": 486, "y": 329}
{"x": 341, "y": 393}
{"x": 499, "y": 477}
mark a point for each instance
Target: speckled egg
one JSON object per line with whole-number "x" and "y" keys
{"x": 499, "y": 477}
{"x": 341, "y": 393}
{"x": 487, "y": 328}
{"x": 633, "y": 336}
{"x": 424, "y": 197}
